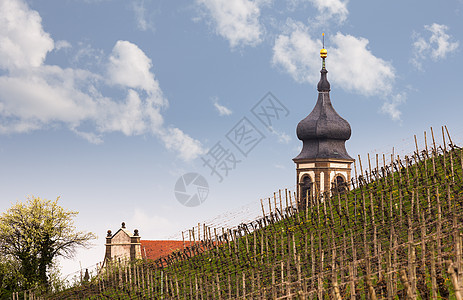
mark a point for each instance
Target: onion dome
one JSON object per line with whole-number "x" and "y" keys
{"x": 323, "y": 132}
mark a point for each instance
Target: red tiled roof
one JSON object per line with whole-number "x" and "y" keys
{"x": 156, "y": 249}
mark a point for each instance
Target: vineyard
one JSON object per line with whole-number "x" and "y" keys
{"x": 396, "y": 234}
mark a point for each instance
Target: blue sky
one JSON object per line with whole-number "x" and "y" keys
{"x": 107, "y": 103}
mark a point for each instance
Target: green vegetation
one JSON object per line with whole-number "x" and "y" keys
{"x": 397, "y": 234}
{"x": 32, "y": 236}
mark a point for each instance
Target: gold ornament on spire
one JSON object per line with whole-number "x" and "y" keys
{"x": 323, "y": 52}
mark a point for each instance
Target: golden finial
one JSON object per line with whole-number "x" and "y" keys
{"x": 323, "y": 52}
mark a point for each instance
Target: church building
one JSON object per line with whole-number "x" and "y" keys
{"x": 323, "y": 165}
{"x": 126, "y": 245}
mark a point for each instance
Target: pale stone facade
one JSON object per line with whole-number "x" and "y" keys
{"x": 123, "y": 244}
{"x": 323, "y": 174}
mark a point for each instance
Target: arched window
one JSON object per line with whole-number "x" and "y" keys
{"x": 306, "y": 189}
{"x": 339, "y": 185}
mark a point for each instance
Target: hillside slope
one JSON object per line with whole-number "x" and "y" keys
{"x": 395, "y": 235}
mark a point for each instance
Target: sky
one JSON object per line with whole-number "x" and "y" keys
{"x": 108, "y": 103}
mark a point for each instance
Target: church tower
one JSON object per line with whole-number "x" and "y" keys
{"x": 323, "y": 164}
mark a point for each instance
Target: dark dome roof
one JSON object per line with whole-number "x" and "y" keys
{"x": 323, "y": 131}
{"x": 323, "y": 122}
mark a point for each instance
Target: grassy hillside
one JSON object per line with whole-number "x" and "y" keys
{"x": 395, "y": 235}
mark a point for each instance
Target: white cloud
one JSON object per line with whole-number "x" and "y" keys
{"x": 19, "y": 126}
{"x": 62, "y": 45}
{"x": 441, "y": 40}
{"x": 436, "y": 46}
{"x": 351, "y": 65}
{"x": 23, "y": 42}
{"x": 127, "y": 117}
{"x": 355, "y": 68}
{"x": 140, "y": 15}
{"x": 331, "y": 8}
{"x": 88, "y": 56}
{"x": 283, "y": 138}
{"x": 223, "y": 110}
{"x": 236, "y": 20}
{"x": 47, "y": 94}
{"x": 130, "y": 67}
{"x": 297, "y": 53}
{"x": 34, "y": 95}
{"x": 187, "y": 147}
{"x": 327, "y": 9}
{"x": 391, "y": 107}
{"x": 89, "y": 136}
{"x": 51, "y": 94}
